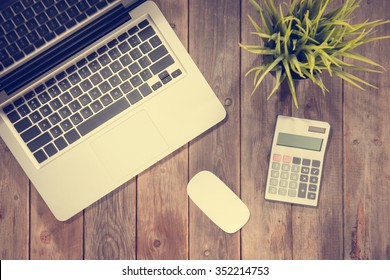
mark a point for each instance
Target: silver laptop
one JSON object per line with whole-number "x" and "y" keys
{"x": 94, "y": 92}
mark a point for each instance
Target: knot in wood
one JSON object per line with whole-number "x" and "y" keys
{"x": 377, "y": 142}
{"x": 355, "y": 142}
{"x": 207, "y": 253}
{"x": 45, "y": 237}
{"x": 156, "y": 243}
{"x": 228, "y": 102}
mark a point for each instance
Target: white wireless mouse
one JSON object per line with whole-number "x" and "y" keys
{"x": 218, "y": 201}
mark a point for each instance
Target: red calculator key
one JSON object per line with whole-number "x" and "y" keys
{"x": 277, "y": 157}
{"x": 286, "y": 159}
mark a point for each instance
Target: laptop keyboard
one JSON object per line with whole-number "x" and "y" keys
{"x": 74, "y": 102}
{"x": 27, "y": 25}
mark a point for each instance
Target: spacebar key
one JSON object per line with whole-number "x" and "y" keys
{"x": 103, "y": 116}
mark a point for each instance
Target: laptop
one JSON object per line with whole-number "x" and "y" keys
{"x": 94, "y": 92}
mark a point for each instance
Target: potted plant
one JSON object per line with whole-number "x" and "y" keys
{"x": 307, "y": 40}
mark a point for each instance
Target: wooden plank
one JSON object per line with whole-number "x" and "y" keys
{"x": 367, "y": 152}
{"x": 318, "y": 232}
{"x": 14, "y": 208}
{"x": 50, "y": 238}
{"x": 110, "y": 225}
{"x": 268, "y": 232}
{"x": 162, "y": 208}
{"x": 214, "y": 36}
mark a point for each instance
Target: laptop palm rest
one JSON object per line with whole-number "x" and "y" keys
{"x": 124, "y": 153}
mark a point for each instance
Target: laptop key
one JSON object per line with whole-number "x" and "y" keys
{"x": 96, "y": 106}
{"x": 45, "y": 110}
{"x": 146, "y": 33}
{"x": 40, "y": 156}
{"x": 30, "y": 133}
{"x": 103, "y": 116}
{"x": 50, "y": 150}
{"x": 35, "y": 117}
{"x": 156, "y": 86}
{"x": 76, "y": 118}
{"x": 162, "y": 64}
{"x": 38, "y": 8}
{"x": 24, "y": 110}
{"x": 7, "y": 13}
{"x": 134, "y": 96}
{"x": 72, "y": 136}
{"x": 62, "y": 6}
{"x": 39, "y": 142}
{"x": 91, "y": 11}
{"x": 22, "y": 125}
{"x": 54, "y": 118}
{"x": 8, "y": 108}
{"x": 60, "y": 143}
{"x": 66, "y": 125}
{"x": 143, "y": 23}
{"x": 44, "y": 125}
{"x": 145, "y": 89}
{"x": 86, "y": 112}
{"x": 56, "y": 131}
{"x": 28, "y": 13}
{"x": 158, "y": 53}
{"x": 155, "y": 41}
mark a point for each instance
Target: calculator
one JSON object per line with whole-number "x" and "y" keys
{"x": 296, "y": 160}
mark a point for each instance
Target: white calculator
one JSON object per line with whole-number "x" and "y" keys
{"x": 296, "y": 160}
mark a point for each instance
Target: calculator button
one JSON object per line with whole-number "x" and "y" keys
{"x": 282, "y": 191}
{"x": 316, "y": 163}
{"x": 283, "y": 183}
{"x": 276, "y": 165}
{"x": 315, "y": 171}
{"x": 294, "y": 176}
{"x": 305, "y": 170}
{"x": 286, "y": 167}
{"x": 304, "y": 178}
{"x": 272, "y": 190}
{"x": 277, "y": 157}
{"x": 293, "y": 185}
{"x": 302, "y": 190}
{"x": 284, "y": 175}
{"x": 306, "y": 162}
{"x": 313, "y": 179}
{"x": 295, "y": 168}
{"x": 296, "y": 160}
{"x": 274, "y": 174}
{"x": 273, "y": 182}
{"x": 312, "y": 188}
{"x": 311, "y": 196}
{"x": 292, "y": 193}
{"x": 286, "y": 159}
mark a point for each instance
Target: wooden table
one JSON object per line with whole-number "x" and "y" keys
{"x": 151, "y": 217}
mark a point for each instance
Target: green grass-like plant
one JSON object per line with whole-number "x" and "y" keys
{"x": 306, "y": 40}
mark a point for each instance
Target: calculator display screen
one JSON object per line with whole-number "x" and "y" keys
{"x": 299, "y": 141}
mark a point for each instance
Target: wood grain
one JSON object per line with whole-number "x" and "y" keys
{"x": 14, "y": 208}
{"x": 367, "y": 151}
{"x": 110, "y": 225}
{"x": 162, "y": 209}
{"x": 268, "y": 232}
{"x": 213, "y": 44}
{"x": 50, "y": 238}
{"x": 313, "y": 228}
{"x": 150, "y": 217}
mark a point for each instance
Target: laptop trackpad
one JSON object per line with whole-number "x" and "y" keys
{"x": 129, "y": 146}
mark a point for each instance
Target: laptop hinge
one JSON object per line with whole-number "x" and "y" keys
{"x": 3, "y": 97}
{"x": 128, "y": 3}
{"x": 60, "y": 52}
